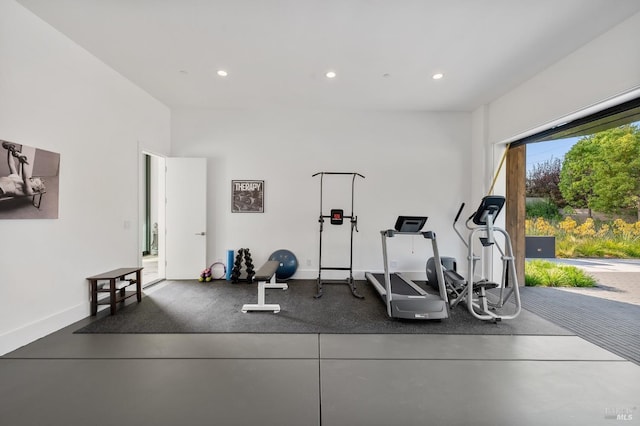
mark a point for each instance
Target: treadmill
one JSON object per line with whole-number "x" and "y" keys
{"x": 404, "y": 298}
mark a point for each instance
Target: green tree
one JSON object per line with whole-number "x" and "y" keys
{"x": 577, "y": 174}
{"x": 602, "y": 171}
{"x": 617, "y": 174}
{"x": 543, "y": 181}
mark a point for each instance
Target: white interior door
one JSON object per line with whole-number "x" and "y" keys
{"x": 186, "y": 217}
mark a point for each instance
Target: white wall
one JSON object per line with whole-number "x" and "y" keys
{"x": 606, "y": 68}
{"x": 413, "y": 163}
{"x": 55, "y": 96}
{"x": 601, "y": 74}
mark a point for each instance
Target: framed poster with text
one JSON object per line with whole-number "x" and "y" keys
{"x": 247, "y": 196}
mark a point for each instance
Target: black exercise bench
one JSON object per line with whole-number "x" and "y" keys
{"x": 266, "y": 278}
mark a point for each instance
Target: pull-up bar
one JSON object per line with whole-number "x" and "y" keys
{"x": 336, "y": 217}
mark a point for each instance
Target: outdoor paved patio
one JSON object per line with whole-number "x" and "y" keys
{"x": 618, "y": 279}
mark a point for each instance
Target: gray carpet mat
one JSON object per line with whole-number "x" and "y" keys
{"x": 193, "y": 307}
{"x": 614, "y": 326}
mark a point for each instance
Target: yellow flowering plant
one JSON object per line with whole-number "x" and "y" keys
{"x": 589, "y": 238}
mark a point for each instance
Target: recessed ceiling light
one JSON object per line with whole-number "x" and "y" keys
{"x": 437, "y": 76}
{"x": 331, "y": 74}
{"x": 222, "y": 73}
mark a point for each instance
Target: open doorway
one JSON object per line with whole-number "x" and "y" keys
{"x": 152, "y": 225}
{"x": 580, "y": 180}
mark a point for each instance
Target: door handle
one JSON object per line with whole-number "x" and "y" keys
{"x": 201, "y": 233}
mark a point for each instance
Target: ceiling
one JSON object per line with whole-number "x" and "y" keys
{"x": 276, "y": 52}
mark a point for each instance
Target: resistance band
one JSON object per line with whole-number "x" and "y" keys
{"x": 495, "y": 177}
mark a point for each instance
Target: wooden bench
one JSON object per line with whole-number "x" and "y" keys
{"x": 116, "y": 282}
{"x": 266, "y": 278}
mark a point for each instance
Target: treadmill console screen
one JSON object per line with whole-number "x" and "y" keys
{"x": 410, "y": 223}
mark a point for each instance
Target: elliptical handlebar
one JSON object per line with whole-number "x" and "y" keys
{"x": 459, "y": 213}
{"x": 464, "y": 241}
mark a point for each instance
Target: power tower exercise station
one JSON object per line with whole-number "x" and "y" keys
{"x": 336, "y": 217}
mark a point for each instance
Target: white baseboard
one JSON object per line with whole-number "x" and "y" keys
{"x": 35, "y": 330}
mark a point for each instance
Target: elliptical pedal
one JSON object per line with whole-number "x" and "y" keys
{"x": 486, "y": 284}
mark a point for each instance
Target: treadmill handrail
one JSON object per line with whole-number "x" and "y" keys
{"x": 387, "y": 233}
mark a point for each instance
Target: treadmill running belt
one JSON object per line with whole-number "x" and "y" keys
{"x": 398, "y": 285}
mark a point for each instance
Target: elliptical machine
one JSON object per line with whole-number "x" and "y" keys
{"x": 486, "y": 300}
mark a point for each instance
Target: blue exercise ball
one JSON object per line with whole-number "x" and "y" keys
{"x": 288, "y": 263}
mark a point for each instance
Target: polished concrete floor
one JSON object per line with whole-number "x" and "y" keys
{"x": 310, "y": 379}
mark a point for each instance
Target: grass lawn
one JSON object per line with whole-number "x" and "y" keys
{"x": 549, "y": 274}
